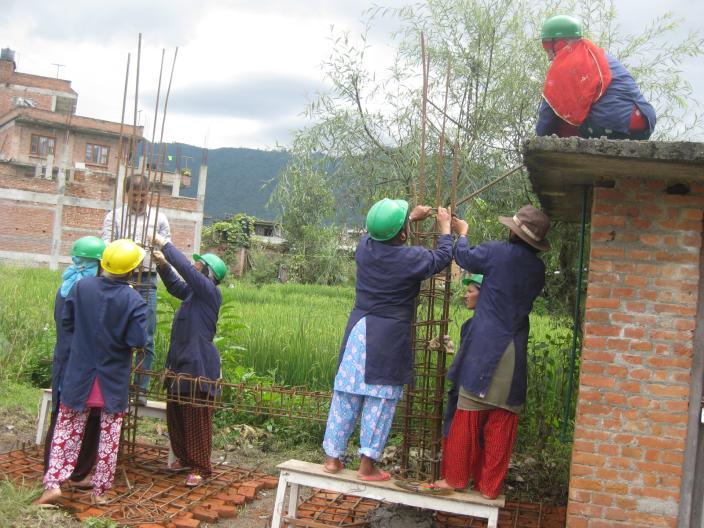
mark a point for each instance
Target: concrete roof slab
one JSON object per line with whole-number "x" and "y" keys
{"x": 560, "y": 169}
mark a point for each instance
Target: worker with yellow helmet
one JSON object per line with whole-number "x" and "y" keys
{"x": 106, "y": 320}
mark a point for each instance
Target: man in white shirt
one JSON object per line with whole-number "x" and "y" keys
{"x": 136, "y": 221}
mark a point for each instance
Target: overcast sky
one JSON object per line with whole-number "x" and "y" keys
{"x": 245, "y": 69}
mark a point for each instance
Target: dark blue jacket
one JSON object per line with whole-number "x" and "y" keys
{"x": 612, "y": 111}
{"x": 61, "y": 350}
{"x": 388, "y": 282}
{"x": 107, "y": 319}
{"x": 513, "y": 278}
{"x": 191, "y": 350}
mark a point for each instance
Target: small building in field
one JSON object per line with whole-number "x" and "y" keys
{"x": 638, "y": 452}
{"x": 59, "y": 171}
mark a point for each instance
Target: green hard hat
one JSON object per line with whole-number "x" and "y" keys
{"x": 561, "y": 26}
{"x": 474, "y": 278}
{"x": 386, "y": 218}
{"x": 89, "y": 247}
{"x": 215, "y": 263}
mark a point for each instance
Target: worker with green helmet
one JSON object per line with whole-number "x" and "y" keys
{"x": 106, "y": 320}
{"x": 85, "y": 262}
{"x": 191, "y": 355}
{"x": 588, "y": 92}
{"x": 376, "y": 358}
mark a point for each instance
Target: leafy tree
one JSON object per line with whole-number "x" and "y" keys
{"x": 486, "y": 69}
{"x": 230, "y": 235}
{"x": 307, "y": 206}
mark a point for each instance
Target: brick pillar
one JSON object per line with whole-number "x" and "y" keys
{"x": 631, "y": 419}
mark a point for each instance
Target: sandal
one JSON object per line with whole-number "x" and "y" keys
{"x": 177, "y": 467}
{"x": 379, "y": 476}
{"x": 432, "y": 489}
{"x": 84, "y": 484}
{"x": 99, "y": 500}
{"x": 194, "y": 480}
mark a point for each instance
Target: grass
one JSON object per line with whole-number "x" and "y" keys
{"x": 286, "y": 334}
{"x": 20, "y": 396}
{"x": 17, "y": 511}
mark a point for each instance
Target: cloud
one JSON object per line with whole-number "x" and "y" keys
{"x": 166, "y": 22}
{"x": 254, "y": 96}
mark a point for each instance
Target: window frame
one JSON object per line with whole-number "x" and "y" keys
{"x": 38, "y": 152}
{"x": 92, "y": 147}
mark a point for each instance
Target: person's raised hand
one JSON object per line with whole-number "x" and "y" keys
{"x": 159, "y": 258}
{"x": 459, "y": 226}
{"x": 159, "y": 241}
{"x": 420, "y": 212}
{"x": 444, "y": 216}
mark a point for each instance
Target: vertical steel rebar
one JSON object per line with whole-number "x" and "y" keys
{"x": 120, "y": 149}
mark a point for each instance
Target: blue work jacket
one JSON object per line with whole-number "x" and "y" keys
{"x": 388, "y": 281}
{"x": 191, "y": 350}
{"x": 613, "y": 109}
{"x": 61, "y": 350}
{"x": 106, "y": 319}
{"x": 513, "y": 278}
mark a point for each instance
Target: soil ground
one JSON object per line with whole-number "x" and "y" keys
{"x": 18, "y": 427}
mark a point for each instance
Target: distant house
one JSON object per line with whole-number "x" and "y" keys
{"x": 268, "y": 232}
{"x": 58, "y": 172}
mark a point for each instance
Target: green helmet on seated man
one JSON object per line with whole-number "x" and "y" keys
{"x": 561, "y": 26}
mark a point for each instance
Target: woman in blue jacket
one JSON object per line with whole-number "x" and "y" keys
{"x": 106, "y": 320}
{"x": 376, "y": 358}
{"x": 86, "y": 253}
{"x": 490, "y": 369}
{"x": 191, "y": 352}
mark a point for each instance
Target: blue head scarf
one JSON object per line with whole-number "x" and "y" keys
{"x": 81, "y": 267}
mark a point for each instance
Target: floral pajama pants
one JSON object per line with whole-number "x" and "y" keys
{"x": 377, "y": 414}
{"x": 68, "y": 437}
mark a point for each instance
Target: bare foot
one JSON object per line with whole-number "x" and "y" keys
{"x": 442, "y": 484}
{"x": 332, "y": 465}
{"x": 49, "y": 497}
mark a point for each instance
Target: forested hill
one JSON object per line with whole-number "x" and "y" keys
{"x": 240, "y": 180}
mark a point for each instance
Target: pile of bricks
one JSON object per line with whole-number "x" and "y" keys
{"x": 147, "y": 495}
{"x": 331, "y": 509}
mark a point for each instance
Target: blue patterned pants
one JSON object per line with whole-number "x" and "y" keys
{"x": 377, "y": 414}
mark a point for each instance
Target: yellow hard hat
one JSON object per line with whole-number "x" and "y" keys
{"x": 121, "y": 256}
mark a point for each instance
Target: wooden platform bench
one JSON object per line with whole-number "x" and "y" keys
{"x": 295, "y": 473}
{"x": 153, "y": 409}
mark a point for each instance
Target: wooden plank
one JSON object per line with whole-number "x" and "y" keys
{"x": 350, "y": 477}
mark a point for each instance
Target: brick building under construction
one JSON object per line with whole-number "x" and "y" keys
{"x": 58, "y": 172}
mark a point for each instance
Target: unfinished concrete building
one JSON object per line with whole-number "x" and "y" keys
{"x": 58, "y": 172}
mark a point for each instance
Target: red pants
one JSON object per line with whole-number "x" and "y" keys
{"x": 479, "y": 446}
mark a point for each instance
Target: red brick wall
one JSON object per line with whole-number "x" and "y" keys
{"x": 25, "y": 227}
{"x": 182, "y": 235}
{"x": 631, "y": 420}
{"x": 28, "y": 226}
